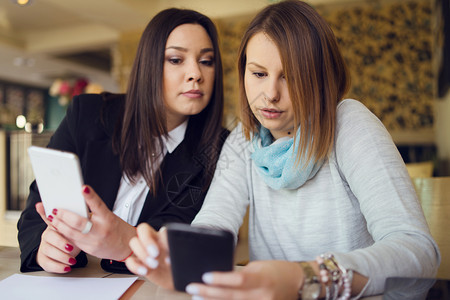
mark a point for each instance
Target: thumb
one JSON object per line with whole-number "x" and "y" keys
{"x": 93, "y": 201}
{"x": 41, "y": 211}
{"x": 162, "y": 238}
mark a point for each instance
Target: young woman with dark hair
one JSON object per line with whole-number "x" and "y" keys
{"x": 333, "y": 211}
{"x": 147, "y": 156}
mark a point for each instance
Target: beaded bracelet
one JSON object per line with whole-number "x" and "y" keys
{"x": 334, "y": 277}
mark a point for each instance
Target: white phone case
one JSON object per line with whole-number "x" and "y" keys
{"x": 59, "y": 179}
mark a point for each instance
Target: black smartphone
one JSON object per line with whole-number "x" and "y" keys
{"x": 404, "y": 288}
{"x": 196, "y": 250}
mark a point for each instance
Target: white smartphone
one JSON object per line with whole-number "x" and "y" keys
{"x": 59, "y": 179}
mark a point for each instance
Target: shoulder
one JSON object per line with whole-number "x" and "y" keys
{"x": 97, "y": 101}
{"x": 353, "y": 117}
{"x": 236, "y": 139}
{"x": 351, "y": 108}
{"x": 95, "y": 110}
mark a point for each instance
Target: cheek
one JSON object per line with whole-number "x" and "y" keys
{"x": 211, "y": 80}
{"x": 249, "y": 90}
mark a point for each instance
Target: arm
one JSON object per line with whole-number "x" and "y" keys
{"x": 269, "y": 279}
{"x": 376, "y": 175}
{"x": 228, "y": 196}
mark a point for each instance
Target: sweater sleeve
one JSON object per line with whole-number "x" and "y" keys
{"x": 228, "y": 196}
{"x": 376, "y": 174}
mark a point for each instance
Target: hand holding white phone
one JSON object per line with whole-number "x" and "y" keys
{"x": 59, "y": 179}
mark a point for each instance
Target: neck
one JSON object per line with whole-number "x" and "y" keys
{"x": 279, "y": 134}
{"x": 172, "y": 124}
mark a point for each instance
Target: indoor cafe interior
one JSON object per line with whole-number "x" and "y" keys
{"x": 397, "y": 51}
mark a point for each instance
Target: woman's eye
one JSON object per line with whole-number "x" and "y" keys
{"x": 207, "y": 62}
{"x": 174, "y": 60}
{"x": 259, "y": 74}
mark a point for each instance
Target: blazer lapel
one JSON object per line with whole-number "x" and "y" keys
{"x": 103, "y": 171}
{"x": 179, "y": 171}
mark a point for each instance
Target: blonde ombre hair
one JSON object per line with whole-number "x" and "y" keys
{"x": 316, "y": 74}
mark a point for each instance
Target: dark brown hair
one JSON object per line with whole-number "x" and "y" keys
{"x": 144, "y": 119}
{"x": 316, "y": 73}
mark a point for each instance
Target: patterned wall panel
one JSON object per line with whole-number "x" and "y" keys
{"x": 387, "y": 46}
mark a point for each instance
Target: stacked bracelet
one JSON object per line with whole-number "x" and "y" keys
{"x": 334, "y": 277}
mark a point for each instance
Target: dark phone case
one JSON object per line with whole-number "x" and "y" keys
{"x": 196, "y": 250}
{"x": 405, "y": 288}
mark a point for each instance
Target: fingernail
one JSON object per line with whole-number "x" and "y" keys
{"x": 167, "y": 260}
{"x": 55, "y": 211}
{"x": 67, "y": 269}
{"x": 207, "y": 278}
{"x": 153, "y": 251}
{"x": 50, "y": 218}
{"x": 191, "y": 289}
{"x": 86, "y": 190}
{"x": 142, "y": 271}
{"x": 151, "y": 262}
{"x": 72, "y": 261}
{"x": 69, "y": 247}
{"x": 195, "y": 297}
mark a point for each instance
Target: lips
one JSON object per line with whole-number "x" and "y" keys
{"x": 270, "y": 113}
{"x": 193, "y": 94}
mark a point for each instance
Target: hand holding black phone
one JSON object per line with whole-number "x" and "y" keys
{"x": 196, "y": 250}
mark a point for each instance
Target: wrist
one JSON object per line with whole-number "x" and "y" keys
{"x": 131, "y": 253}
{"x": 310, "y": 287}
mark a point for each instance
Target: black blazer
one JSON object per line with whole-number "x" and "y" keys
{"x": 87, "y": 130}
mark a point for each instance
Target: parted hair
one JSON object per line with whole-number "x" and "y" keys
{"x": 144, "y": 119}
{"x": 316, "y": 74}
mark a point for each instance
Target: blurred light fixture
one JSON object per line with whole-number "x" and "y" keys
{"x": 34, "y": 128}
{"x": 24, "y": 62}
{"x": 22, "y": 2}
{"x": 21, "y": 121}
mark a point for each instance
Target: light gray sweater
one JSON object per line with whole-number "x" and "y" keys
{"x": 361, "y": 205}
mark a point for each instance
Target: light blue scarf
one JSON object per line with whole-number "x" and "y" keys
{"x": 276, "y": 161}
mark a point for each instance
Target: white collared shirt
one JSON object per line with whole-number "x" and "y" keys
{"x": 131, "y": 198}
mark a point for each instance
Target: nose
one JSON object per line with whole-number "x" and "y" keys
{"x": 272, "y": 93}
{"x": 194, "y": 73}
{"x": 272, "y": 99}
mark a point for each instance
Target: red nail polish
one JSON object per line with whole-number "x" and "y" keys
{"x": 50, "y": 218}
{"x": 72, "y": 261}
{"x": 55, "y": 211}
{"x": 86, "y": 190}
{"x": 69, "y": 247}
{"x": 67, "y": 269}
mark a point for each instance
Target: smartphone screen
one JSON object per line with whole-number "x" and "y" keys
{"x": 196, "y": 250}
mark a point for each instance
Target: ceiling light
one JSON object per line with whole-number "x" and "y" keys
{"x": 22, "y": 2}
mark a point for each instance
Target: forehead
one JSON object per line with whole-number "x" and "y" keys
{"x": 261, "y": 47}
{"x": 188, "y": 36}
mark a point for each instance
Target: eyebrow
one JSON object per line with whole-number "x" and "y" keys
{"x": 204, "y": 50}
{"x": 256, "y": 65}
